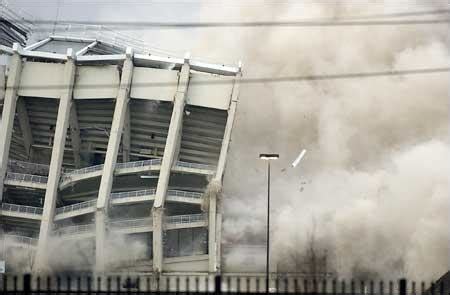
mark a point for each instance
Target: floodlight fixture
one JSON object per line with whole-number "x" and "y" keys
{"x": 269, "y": 157}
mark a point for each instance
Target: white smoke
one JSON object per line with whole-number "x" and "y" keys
{"x": 375, "y": 179}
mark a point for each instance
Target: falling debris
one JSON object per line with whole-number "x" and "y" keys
{"x": 299, "y": 158}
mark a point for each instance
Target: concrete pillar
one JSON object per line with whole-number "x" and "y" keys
{"x": 75, "y": 135}
{"x": 51, "y": 193}
{"x": 215, "y": 203}
{"x": 25, "y": 127}
{"x": 212, "y": 243}
{"x": 173, "y": 138}
{"x": 126, "y": 137}
{"x": 9, "y": 111}
{"x": 106, "y": 181}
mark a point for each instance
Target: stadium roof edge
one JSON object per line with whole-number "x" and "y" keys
{"x": 145, "y": 60}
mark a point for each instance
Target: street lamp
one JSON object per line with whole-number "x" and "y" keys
{"x": 268, "y": 158}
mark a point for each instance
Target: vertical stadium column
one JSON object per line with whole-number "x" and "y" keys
{"x": 9, "y": 111}
{"x": 106, "y": 181}
{"x": 51, "y": 193}
{"x": 173, "y": 137}
{"x": 25, "y": 127}
{"x": 126, "y": 136}
{"x": 215, "y": 212}
{"x": 75, "y": 135}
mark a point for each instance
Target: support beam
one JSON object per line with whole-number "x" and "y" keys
{"x": 51, "y": 193}
{"x": 83, "y": 51}
{"x": 9, "y": 111}
{"x": 126, "y": 137}
{"x": 38, "y": 44}
{"x": 215, "y": 204}
{"x": 25, "y": 127}
{"x": 75, "y": 135}
{"x": 110, "y": 162}
{"x": 228, "y": 129}
{"x": 173, "y": 137}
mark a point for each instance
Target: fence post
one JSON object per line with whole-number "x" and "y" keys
{"x": 218, "y": 284}
{"x": 402, "y": 287}
{"x": 27, "y": 283}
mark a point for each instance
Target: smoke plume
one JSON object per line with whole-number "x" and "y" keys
{"x": 373, "y": 187}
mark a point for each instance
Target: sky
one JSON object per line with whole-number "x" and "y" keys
{"x": 373, "y": 186}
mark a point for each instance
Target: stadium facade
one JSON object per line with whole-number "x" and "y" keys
{"x": 112, "y": 158}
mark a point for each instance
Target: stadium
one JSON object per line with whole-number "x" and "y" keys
{"x": 113, "y": 156}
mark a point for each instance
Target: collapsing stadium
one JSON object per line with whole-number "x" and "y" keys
{"x": 112, "y": 158}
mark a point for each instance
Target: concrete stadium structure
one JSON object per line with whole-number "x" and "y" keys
{"x": 15, "y": 26}
{"x": 103, "y": 143}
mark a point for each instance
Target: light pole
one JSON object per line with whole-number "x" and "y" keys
{"x": 268, "y": 158}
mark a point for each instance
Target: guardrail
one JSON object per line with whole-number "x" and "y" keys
{"x": 22, "y": 239}
{"x": 81, "y": 171}
{"x": 195, "y": 166}
{"x": 74, "y": 229}
{"x": 152, "y": 191}
{"x": 26, "y": 177}
{"x": 108, "y": 35}
{"x": 322, "y": 283}
{"x": 152, "y": 162}
{"x": 22, "y": 209}
{"x": 181, "y": 219}
{"x": 16, "y": 166}
{"x": 77, "y": 206}
{"x": 132, "y": 194}
{"x": 184, "y": 194}
{"x": 131, "y": 223}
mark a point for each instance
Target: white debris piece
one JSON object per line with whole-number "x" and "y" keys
{"x": 299, "y": 158}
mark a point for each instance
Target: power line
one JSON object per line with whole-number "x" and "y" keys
{"x": 400, "y": 14}
{"x": 190, "y": 25}
{"x": 265, "y": 80}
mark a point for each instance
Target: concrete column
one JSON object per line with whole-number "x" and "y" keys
{"x": 9, "y": 111}
{"x": 212, "y": 243}
{"x": 110, "y": 162}
{"x": 228, "y": 129}
{"x": 215, "y": 203}
{"x": 51, "y": 193}
{"x": 126, "y": 137}
{"x": 25, "y": 127}
{"x": 173, "y": 138}
{"x": 75, "y": 135}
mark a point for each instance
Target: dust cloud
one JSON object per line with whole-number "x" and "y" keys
{"x": 373, "y": 189}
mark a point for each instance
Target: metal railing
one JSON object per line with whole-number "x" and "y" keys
{"x": 184, "y": 194}
{"x": 81, "y": 171}
{"x": 195, "y": 166}
{"x": 152, "y": 162}
{"x": 181, "y": 219}
{"x": 132, "y": 194}
{"x": 22, "y": 209}
{"x": 224, "y": 283}
{"x": 131, "y": 223}
{"x": 90, "y": 169}
{"x": 16, "y": 166}
{"x": 108, "y": 35}
{"x": 21, "y": 239}
{"x": 74, "y": 229}
{"x": 152, "y": 191}
{"x": 77, "y": 206}
{"x": 26, "y": 177}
